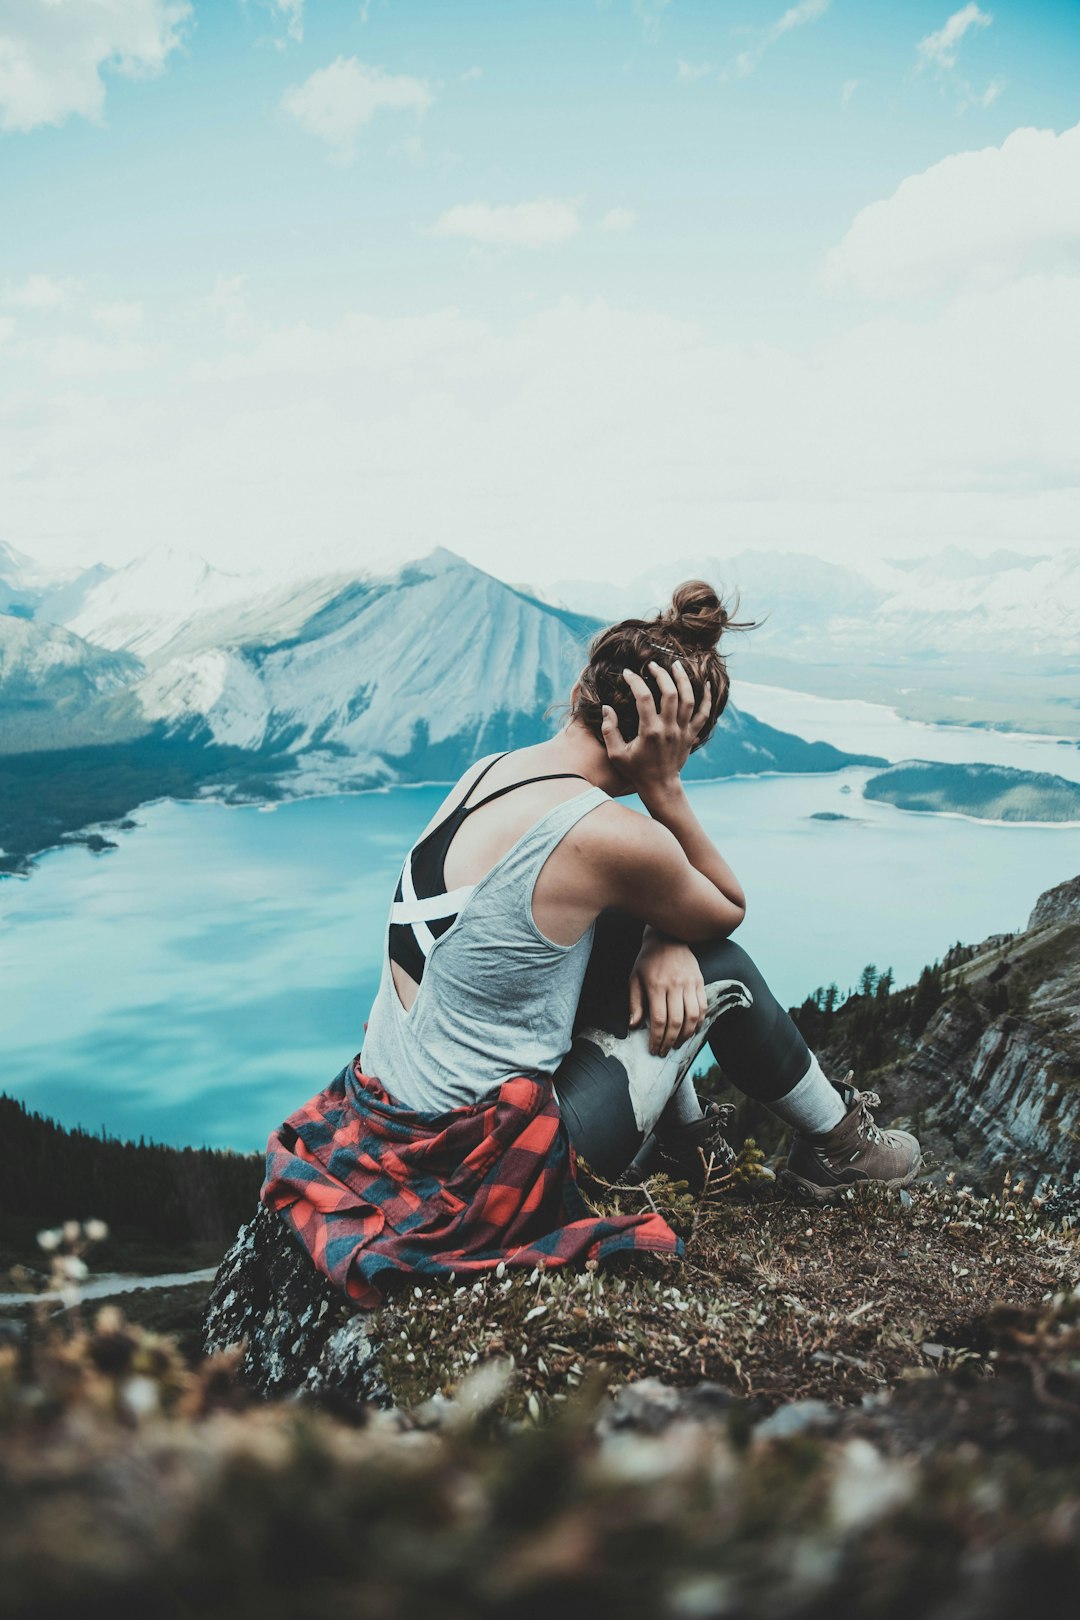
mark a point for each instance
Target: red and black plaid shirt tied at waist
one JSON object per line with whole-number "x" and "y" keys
{"x": 373, "y": 1190}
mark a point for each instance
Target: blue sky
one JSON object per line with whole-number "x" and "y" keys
{"x": 556, "y": 285}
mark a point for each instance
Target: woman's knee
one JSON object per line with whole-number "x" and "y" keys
{"x": 721, "y": 959}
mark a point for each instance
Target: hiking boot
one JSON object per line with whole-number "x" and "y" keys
{"x": 820, "y": 1168}
{"x": 699, "y": 1151}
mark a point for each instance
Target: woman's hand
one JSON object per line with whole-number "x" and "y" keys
{"x": 666, "y": 981}
{"x": 652, "y": 760}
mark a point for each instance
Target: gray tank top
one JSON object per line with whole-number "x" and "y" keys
{"x": 497, "y": 997}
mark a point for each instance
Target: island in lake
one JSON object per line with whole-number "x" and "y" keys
{"x": 985, "y": 792}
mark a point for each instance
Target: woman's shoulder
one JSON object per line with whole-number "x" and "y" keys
{"x": 615, "y": 828}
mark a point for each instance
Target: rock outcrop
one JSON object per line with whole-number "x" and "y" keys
{"x": 298, "y": 1332}
{"x": 994, "y": 1081}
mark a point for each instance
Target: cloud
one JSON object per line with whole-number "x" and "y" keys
{"x": 118, "y": 316}
{"x": 806, "y": 11}
{"x": 618, "y": 219}
{"x": 227, "y": 306}
{"x": 938, "y": 52}
{"x": 580, "y": 430}
{"x": 651, "y": 15}
{"x": 691, "y": 72}
{"x": 52, "y": 57}
{"x": 336, "y": 102}
{"x": 7, "y": 327}
{"x": 355, "y": 343}
{"x": 470, "y": 75}
{"x": 71, "y": 355}
{"x": 41, "y": 292}
{"x": 975, "y": 218}
{"x": 939, "y": 49}
{"x": 546, "y": 222}
{"x": 293, "y": 12}
{"x": 849, "y": 89}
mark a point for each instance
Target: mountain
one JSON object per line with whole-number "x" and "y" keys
{"x": 950, "y": 605}
{"x": 57, "y": 690}
{"x": 408, "y": 676}
{"x": 184, "y": 677}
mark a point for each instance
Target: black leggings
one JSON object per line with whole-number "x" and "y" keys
{"x": 612, "y": 1090}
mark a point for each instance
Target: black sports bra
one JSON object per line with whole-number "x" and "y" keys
{"x": 423, "y": 906}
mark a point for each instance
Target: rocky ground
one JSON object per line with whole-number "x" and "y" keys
{"x": 875, "y": 1411}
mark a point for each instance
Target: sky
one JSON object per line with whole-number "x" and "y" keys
{"x": 571, "y": 288}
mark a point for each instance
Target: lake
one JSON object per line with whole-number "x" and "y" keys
{"x": 199, "y": 982}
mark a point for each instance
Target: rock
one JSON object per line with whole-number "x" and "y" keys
{"x": 796, "y": 1418}
{"x": 1057, "y": 906}
{"x": 647, "y": 1406}
{"x": 300, "y": 1333}
{"x": 994, "y": 1079}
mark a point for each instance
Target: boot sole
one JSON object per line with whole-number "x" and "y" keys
{"x": 810, "y": 1192}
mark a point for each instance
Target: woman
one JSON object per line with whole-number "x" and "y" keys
{"x": 543, "y": 934}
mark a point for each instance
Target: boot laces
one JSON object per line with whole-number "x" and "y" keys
{"x": 865, "y": 1123}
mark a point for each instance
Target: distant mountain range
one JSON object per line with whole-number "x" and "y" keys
{"x": 335, "y": 681}
{"x": 944, "y": 606}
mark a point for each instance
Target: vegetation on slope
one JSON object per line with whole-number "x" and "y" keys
{"x": 987, "y": 792}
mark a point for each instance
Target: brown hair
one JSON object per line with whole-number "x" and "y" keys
{"x": 688, "y": 630}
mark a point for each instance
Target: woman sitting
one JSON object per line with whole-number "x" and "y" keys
{"x": 554, "y": 962}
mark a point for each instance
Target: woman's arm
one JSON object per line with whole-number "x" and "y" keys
{"x": 667, "y": 870}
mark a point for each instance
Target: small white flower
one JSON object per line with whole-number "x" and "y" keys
{"x": 96, "y": 1231}
{"x": 73, "y": 1268}
{"x": 140, "y": 1395}
{"x": 49, "y": 1239}
{"x": 72, "y": 1231}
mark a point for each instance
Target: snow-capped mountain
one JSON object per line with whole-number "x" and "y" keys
{"x": 421, "y": 672}
{"x": 402, "y": 677}
{"x": 946, "y": 606}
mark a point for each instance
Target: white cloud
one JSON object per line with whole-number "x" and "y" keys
{"x": 356, "y": 343}
{"x": 7, "y": 327}
{"x": 293, "y": 13}
{"x": 43, "y": 292}
{"x": 618, "y": 219}
{"x": 227, "y": 305}
{"x": 74, "y": 356}
{"x": 974, "y": 218}
{"x": 691, "y": 72}
{"x": 336, "y": 102}
{"x": 53, "y": 56}
{"x": 582, "y": 430}
{"x": 651, "y": 15}
{"x": 546, "y": 222}
{"x": 939, "y": 49}
{"x": 806, "y": 11}
{"x": 471, "y": 75}
{"x": 118, "y": 316}
{"x": 849, "y": 89}
{"x": 991, "y": 93}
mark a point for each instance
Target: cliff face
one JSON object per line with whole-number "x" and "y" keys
{"x": 994, "y": 1082}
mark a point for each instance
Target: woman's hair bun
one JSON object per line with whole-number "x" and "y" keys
{"x": 697, "y": 617}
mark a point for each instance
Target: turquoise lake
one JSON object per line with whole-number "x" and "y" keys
{"x": 199, "y": 982}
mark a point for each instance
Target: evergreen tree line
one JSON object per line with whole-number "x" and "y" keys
{"x": 872, "y": 1020}
{"x": 177, "y": 1195}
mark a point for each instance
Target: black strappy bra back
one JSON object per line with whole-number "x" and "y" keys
{"x": 423, "y": 907}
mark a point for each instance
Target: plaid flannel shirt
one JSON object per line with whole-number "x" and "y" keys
{"x": 372, "y": 1189}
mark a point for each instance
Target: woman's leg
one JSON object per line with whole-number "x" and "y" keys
{"x": 613, "y": 1093}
